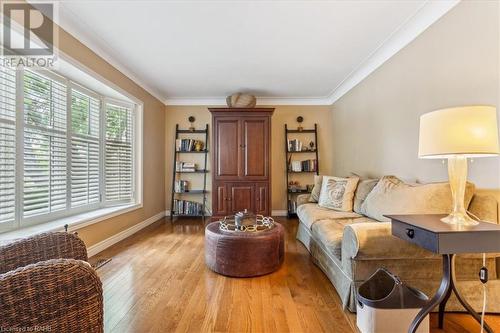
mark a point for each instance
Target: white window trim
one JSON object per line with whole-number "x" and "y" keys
{"x": 76, "y": 217}
{"x": 136, "y": 145}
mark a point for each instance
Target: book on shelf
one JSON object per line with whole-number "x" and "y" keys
{"x": 185, "y": 207}
{"x": 294, "y": 145}
{"x": 185, "y": 166}
{"x": 181, "y": 186}
{"x": 292, "y": 206}
{"x": 189, "y": 145}
{"x": 297, "y": 189}
{"x": 300, "y": 166}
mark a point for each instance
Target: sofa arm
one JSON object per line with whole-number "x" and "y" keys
{"x": 374, "y": 241}
{"x": 61, "y": 295}
{"x": 46, "y": 246}
{"x": 303, "y": 199}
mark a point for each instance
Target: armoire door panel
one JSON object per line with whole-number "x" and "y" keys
{"x": 262, "y": 199}
{"x": 255, "y": 159}
{"x": 242, "y": 196}
{"x": 228, "y": 147}
{"x": 221, "y": 200}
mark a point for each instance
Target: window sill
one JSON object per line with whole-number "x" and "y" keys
{"x": 74, "y": 222}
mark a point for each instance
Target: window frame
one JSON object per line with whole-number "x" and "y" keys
{"x": 133, "y": 107}
{"x": 20, "y": 222}
{"x": 20, "y": 219}
{"x": 89, "y": 93}
{"x": 13, "y": 224}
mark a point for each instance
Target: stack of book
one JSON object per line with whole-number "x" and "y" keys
{"x": 185, "y": 207}
{"x": 188, "y": 145}
{"x": 307, "y": 165}
{"x": 292, "y": 206}
{"x": 181, "y": 186}
{"x": 294, "y": 145}
{"x": 185, "y": 166}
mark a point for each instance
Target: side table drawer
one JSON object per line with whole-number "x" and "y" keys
{"x": 423, "y": 238}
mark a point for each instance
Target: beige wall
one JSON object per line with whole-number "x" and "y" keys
{"x": 282, "y": 115}
{"x": 454, "y": 62}
{"x": 153, "y": 145}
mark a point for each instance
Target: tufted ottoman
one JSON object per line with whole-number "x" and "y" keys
{"x": 244, "y": 254}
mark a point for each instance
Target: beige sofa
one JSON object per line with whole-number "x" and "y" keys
{"x": 349, "y": 247}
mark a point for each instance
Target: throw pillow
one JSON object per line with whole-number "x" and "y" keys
{"x": 365, "y": 186}
{"x": 393, "y": 196}
{"x": 318, "y": 180}
{"x": 338, "y": 193}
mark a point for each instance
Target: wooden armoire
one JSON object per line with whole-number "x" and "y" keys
{"x": 241, "y": 160}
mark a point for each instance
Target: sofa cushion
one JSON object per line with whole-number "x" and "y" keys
{"x": 302, "y": 199}
{"x": 365, "y": 186}
{"x": 309, "y": 213}
{"x": 338, "y": 193}
{"x": 329, "y": 233}
{"x": 393, "y": 196}
{"x": 484, "y": 207}
{"x": 318, "y": 180}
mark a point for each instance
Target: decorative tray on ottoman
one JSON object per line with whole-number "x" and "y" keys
{"x": 246, "y": 222}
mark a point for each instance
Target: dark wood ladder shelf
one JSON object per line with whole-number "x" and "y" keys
{"x": 291, "y": 194}
{"x": 196, "y": 171}
{"x": 203, "y": 171}
{"x": 192, "y": 152}
{"x": 302, "y": 152}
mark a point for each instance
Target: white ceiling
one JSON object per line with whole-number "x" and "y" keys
{"x": 286, "y": 52}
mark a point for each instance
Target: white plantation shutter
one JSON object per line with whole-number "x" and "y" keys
{"x": 44, "y": 181}
{"x": 7, "y": 146}
{"x": 84, "y": 149}
{"x": 118, "y": 153}
{"x": 62, "y": 150}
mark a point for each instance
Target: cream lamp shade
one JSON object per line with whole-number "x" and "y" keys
{"x": 470, "y": 131}
{"x": 456, "y": 134}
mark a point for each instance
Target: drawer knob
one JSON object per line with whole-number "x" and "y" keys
{"x": 410, "y": 233}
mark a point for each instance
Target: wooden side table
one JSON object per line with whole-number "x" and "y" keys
{"x": 428, "y": 232}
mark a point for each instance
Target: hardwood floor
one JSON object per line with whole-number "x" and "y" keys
{"x": 157, "y": 282}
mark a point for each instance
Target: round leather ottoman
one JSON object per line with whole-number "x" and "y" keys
{"x": 244, "y": 254}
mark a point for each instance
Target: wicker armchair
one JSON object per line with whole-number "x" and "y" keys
{"x": 46, "y": 284}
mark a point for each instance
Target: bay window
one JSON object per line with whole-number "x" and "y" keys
{"x": 67, "y": 150}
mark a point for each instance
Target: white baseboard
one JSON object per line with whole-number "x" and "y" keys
{"x": 102, "y": 245}
{"x": 278, "y": 213}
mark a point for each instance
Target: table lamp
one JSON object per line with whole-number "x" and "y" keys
{"x": 456, "y": 134}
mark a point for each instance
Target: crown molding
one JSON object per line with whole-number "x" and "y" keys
{"x": 292, "y": 100}
{"x": 425, "y": 16}
{"x": 181, "y": 101}
{"x": 218, "y": 101}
